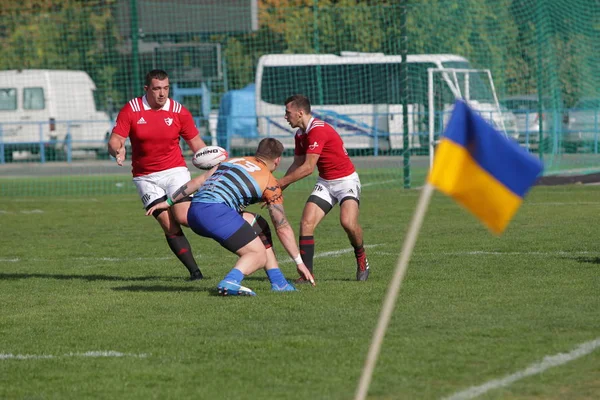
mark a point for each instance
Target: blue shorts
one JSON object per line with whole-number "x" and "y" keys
{"x": 221, "y": 223}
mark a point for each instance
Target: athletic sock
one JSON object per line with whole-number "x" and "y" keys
{"x": 359, "y": 251}
{"x": 361, "y": 256}
{"x": 235, "y": 276}
{"x": 307, "y": 251}
{"x": 276, "y": 277}
{"x": 181, "y": 248}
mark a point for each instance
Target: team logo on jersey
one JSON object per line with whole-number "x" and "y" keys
{"x": 141, "y": 121}
{"x": 168, "y": 121}
{"x": 313, "y": 146}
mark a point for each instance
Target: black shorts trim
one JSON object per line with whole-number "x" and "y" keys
{"x": 164, "y": 198}
{"x": 322, "y": 204}
{"x": 240, "y": 238}
{"x": 350, "y": 198}
{"x": 156, "y": 213}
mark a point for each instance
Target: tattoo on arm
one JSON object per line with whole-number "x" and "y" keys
{"x": 181, "y": 191}
{"x": 278, "y": 215}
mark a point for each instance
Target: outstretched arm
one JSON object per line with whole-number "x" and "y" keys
{"x": 302, "y": 167}
{"x": 285, "y": 233}
{"x": 185, "y": 190}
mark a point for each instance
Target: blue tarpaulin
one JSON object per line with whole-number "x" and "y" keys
{"x": 237, "y": 115}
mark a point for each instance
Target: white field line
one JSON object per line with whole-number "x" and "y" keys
{"x": 324, "y": 254}
{"x": 93, "y": 354}
{"x": 378, "y": 183}
{"x": 36, "y": 211}
{"x": 536, "y": 368}
{"x": 54, "y": 200}
{"x": 106, "y": 259}
{"x": 517, "y": 253}
{"x": 331, "y": 253}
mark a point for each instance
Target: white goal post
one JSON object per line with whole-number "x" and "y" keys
{"x": 476, "y": 87}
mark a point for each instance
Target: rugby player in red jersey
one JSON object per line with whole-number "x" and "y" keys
{"x": 318, "y": 144}
{"x": 154, "y": 124}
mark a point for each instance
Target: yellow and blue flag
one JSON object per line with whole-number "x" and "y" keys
{"x": 486, "y": 172}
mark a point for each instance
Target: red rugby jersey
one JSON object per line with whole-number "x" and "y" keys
{"x": 154, "y": 134}
{"x": 320, "y": 138}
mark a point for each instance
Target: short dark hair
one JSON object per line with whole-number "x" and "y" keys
{"x": 155, "y": 74}
{"x": 299, "y": 101}
{"x": 269, "y": 148}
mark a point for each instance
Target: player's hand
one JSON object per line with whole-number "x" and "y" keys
{"x": 120, "y": 156}
{"x": 160, "y": 206}
{"x": 281, "y": 186}
{"x": 305, "y": 273}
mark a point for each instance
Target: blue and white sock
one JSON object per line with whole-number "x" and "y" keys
{"x": 276, "y": 277}
{"x": 235, "y": 275}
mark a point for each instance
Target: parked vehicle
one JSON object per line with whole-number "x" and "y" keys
{"x": 584, "y": 122}
{"x": 49, "y": 112}
{"x": 360, "y": 95}
{"x": 526, "y": 109}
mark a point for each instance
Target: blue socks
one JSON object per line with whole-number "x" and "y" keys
{"x": 235, "y": 275}
{"x": 276, "y": 277}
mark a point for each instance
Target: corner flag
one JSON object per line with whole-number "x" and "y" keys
{"x": 481, "y": 169}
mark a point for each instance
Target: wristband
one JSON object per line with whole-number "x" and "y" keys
{"x": 169, "y": 202}
{"x": 298, "y": 260}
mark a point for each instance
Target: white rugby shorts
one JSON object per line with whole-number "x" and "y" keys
{"x": 335, "y": 190}
{"x": 158, "y": 184}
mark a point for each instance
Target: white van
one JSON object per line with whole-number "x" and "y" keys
{"x": 48, "y": 111}
{"x": 360, "y": 95}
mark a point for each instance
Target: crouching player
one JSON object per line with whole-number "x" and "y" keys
{"x": 222, "y": 193}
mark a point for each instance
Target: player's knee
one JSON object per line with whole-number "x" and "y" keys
{"x": 261, "y": 258}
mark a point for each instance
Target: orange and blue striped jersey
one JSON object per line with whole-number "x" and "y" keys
{"x": 239, "y": 182}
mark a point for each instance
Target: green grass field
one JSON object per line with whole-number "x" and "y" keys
{"x": 94, "y": 305}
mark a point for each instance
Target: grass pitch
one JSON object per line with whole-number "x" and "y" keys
{"x": 94, "y": 305}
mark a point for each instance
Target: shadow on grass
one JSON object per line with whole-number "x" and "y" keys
{"x": 589, "y": 260}
{"x": 162, "y": 288}
{"x": 159, "y": 288}
{"x": 89, "y": 278}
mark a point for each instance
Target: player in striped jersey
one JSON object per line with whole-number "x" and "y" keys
{"x": 319, "y": 145}
{"x": 154, "y": 124}
{"x": 216, "y": 212}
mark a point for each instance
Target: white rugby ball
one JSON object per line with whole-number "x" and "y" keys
{"x": 209, "y": 156}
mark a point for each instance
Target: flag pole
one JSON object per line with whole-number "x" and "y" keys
{"x": 393, "y": 289}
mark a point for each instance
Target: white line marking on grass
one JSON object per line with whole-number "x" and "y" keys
{"x": 378, "y": 183}
{"x": 517, "y": 253}
{"x": 93, "y": 354}
{"x": 118, "y": 259}
{"x": 61, "y": 200}
{"x": 331, "y": 253}
{"x": 548, "y": 362}
{"x": 107, "y": 259}
{"x": 36, "y": 211}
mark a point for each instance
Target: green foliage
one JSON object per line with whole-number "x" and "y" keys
{"x": 520, "y": 41}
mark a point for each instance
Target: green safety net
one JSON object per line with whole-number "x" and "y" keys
{"x": 542, "y": 56}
